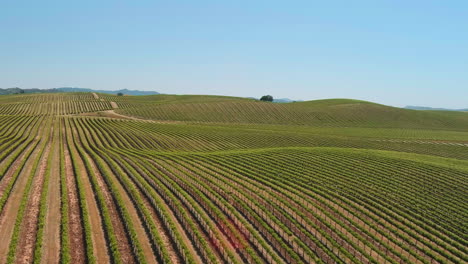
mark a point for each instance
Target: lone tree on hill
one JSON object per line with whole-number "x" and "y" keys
{"x": 119, "y": 94}
{"x": 267, "y": 98}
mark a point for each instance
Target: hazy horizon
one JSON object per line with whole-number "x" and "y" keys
{"x": 391, "y": 52}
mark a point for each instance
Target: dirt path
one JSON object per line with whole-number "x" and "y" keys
{"x": 75, "y": 228}
{"x": 95, "y": 96}
{"x": 26, "y": 245}
{"x": 99, "y": 241}
{"x": 114, "y": 105}
{"x": 51, "y": 242}
{"x": 10, "y": 211}
{"x": 113, "y": 114}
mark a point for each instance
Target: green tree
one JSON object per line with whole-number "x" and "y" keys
{"x": 267, "y": 98}
{"x": 119, "y": 94}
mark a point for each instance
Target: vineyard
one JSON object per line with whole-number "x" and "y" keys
{"x": 95, "y": 178}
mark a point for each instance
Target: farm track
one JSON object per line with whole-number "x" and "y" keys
{"x": 75, "y": 227}
{"x": 84, "y": 180}
{"x": 114, "y": 105}
{"x": 29, "y": 228}
{"x": 99, "y": 243}
{"x": 51, "y": 253}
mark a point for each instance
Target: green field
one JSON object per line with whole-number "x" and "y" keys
{"x": 98, "y": 178}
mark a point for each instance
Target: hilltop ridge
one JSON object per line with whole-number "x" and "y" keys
{"x": 326, "y": 112}
{"x": 336, "y": 112}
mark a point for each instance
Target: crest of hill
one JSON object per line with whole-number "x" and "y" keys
{"x": 328, "y": 112}
{"x": 237, "y": 110}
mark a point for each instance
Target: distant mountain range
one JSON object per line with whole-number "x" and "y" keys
{"x": 285, "y": 100}
{"x": 17, "y": 90}
{"x": 431, "y": 108}
{"x": 280, "y": 100}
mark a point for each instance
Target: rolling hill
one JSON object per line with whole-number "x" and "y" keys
{"x": 99, "y": 178}
{"x": 331, "y": 112}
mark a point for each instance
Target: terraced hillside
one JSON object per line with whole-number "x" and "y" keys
{"x": 93, "y": 178}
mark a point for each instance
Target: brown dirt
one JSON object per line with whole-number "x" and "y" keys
{"x": 76, "y": 237}
{"x": 26, "y": 245}
{"x": 95, "y": 96}
{"x": 114, "y": 105}
{"x": 113, "y": 114}
{"x": 51, "y": 242}
{"x": 77, "y": 247}
{"x": 107, "y": 113}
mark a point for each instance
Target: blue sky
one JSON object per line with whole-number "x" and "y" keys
{"x": 391, "y": 52}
